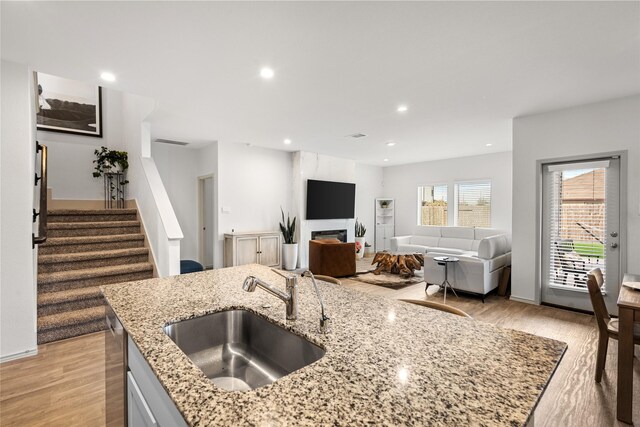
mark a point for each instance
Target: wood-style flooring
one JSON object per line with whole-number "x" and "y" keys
{"x": 64, "y": 384}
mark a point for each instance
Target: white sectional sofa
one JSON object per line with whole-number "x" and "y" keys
{"x": 483, "y": 254}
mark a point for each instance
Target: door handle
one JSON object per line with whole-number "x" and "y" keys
{"x": 614, "y": 245}
{"x": 614, "y": 234}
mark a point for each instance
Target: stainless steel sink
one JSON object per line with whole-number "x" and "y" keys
{"x": 239, "y": 351}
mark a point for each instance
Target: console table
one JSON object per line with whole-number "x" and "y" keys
{"x": 252, "y": 248}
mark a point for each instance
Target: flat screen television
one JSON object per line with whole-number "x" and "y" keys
{"x": 330, "y": 200}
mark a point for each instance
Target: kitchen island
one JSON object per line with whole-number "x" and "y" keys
{"x": 386, "y": 362}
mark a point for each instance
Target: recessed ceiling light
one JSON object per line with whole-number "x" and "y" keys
{"x": 385, "y": 160}
{"x": 266, "y": 73}
{"x": 108, "y": 77}
{"x": 402, "y": 108}
{"x": 488, "y": 145}
{"x": 390, "y": 144}
{"x": 287, "y": 141}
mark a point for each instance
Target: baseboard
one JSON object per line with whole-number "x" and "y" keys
{"x": 17, "y": 356}
{"x": 524, "y": 300}
{"x": 79, "y": 204}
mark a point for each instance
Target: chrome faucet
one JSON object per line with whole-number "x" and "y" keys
{"x": 324, "y": 319}
{"x": 290, "y": 297}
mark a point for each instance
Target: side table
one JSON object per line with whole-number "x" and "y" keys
{"x": 445, "y": 261}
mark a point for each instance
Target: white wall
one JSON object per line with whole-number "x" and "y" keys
{"x": 583, "y": 130}
{"x": 369, "y": 185}
{"x": 176, "y": 167}
{"x": 253, "y": 183}
{"x": 402, "y": 182}
{"x": 17, "y": 259}
{"x": 71, "y": 156}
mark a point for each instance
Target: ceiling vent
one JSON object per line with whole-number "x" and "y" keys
{"x": 172, "y": 142}
{"x": 356, "y": 135}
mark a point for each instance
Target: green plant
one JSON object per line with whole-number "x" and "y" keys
{"x": 288, "y": 228}
{"x": 360, "y": 229}
{"x": 106, "y": 159}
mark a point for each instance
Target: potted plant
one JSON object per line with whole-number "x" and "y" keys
{"x": 289, "y": 247}
{"x": 110, "y": 161}
{"x": 112, "y": 164}
{"x": 360, "y": 240}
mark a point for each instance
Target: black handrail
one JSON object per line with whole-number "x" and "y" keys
{"x": 42, "y": 225}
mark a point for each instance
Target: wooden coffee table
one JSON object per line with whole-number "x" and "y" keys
{"x": 403, "y": 264}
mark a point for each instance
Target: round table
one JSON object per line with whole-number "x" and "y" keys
{"x": 446, "y": 260}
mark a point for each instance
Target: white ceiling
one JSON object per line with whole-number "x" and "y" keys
{"x": 464, "y": 69}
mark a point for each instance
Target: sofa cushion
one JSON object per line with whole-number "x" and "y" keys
{"x": 412, "y": 248}
{"x": 491, "y": 247}
{"x": 457, "y": 232}
{"x": 475, "y": 244}
{"x": 429, "y": 230}
{"x": 425, "y": 240}
{"x": 456, "y": 243}
{"x": 482, "y": 233}
{"x": 434, "y": 250}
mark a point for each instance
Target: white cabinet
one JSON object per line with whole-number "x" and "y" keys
{"x": 385, "y": 223}
{"x": 148, "y": 403}
{"x": 252, "y": 248}
{"x": 138, "y": 412}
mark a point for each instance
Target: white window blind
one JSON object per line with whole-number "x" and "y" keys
{"x": 576, "y": 208}
{"x": 432, "y": 205}
{"x": 473, "y": 204}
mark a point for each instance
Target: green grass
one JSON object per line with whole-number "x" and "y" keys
{"x": 589, "y": 249}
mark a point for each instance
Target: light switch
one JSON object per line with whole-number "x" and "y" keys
{"x": 226, "y": 209}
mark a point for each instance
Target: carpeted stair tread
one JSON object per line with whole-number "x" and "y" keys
{"x": 48, "y": 298}
{"x": 86, "y": 256}
{"x": 60, "y": 212}
{"x": 70, "y": 318}
{"x": 92, "y": 224}
{"x": 71, "y": 331}
{"x": 92, "y": 273}
{"x": 85, "y": 250}
{"x": 84, "y": 240}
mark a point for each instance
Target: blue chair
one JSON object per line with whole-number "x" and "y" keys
{"x": 190, "y": 266}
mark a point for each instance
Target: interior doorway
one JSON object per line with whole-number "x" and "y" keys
{"x": 581, "y": 228}
{"x": 206, "y": 216}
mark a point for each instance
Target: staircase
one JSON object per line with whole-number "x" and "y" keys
{"x": 84, "y": 250}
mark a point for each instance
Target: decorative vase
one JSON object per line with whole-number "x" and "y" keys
{"x": 360, "y": 241}
{"x": 289, "y": 256}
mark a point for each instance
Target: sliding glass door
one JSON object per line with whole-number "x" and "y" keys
{"x": 580, "y": 230}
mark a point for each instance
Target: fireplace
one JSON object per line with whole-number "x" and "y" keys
{"x": 329, "y": 234}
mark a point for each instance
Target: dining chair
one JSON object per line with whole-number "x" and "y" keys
{"x": 607, "y": 327}
{"x": 328, "y": 279}
{"x": 438, "y": 306}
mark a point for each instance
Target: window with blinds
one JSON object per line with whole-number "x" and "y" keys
{"x": 432, "y": 205}
{"x": 473, "y": 204}
{"x": 576, "y": 212}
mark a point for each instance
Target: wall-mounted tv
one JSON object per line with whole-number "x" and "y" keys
{"x": 330, "y": 200}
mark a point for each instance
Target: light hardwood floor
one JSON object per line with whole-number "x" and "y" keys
{"x": 64, "y": 384}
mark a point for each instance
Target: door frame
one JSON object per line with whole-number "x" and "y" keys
{"x": 200, "y": 209}
{"x": 540, "y": 163}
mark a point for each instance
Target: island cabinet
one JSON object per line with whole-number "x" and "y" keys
{"x": 148, "y": 404}
{"x": 252, "y": 248}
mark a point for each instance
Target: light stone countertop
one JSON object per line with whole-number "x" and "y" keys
{"x": 386, "y": 362}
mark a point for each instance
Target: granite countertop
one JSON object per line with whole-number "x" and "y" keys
{"x": 386, "y": 362}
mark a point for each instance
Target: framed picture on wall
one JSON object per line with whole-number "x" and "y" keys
{"x": 68, "y": 106}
